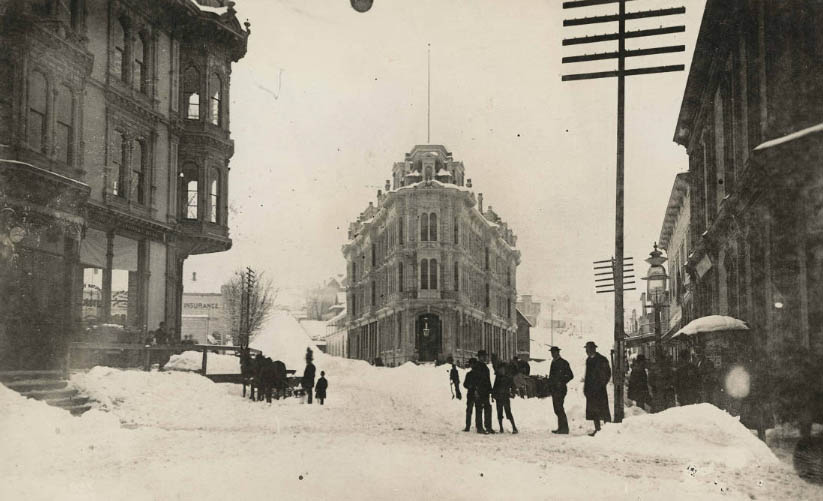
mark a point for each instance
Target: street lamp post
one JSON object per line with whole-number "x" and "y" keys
{"x": 656, "y": 291}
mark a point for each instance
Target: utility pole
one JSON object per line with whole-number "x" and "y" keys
{"x": 621, "y": 17}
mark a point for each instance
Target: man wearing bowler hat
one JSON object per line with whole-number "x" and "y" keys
{"x": 598, "y": 374}
{"x": 559, "y": 375}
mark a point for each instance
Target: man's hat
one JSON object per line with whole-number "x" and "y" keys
{"x": 641, "y": 358}
{"x": 472, "y": 360}
{"x": 481, "y": 353}
{"x": 554, "y": 348}
{"x": 590, "y": 344}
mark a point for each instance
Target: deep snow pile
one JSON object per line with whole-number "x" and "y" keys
{"x": 699, "y": 433}
{"x": 171, "y": 400}
{"x": 282, "y": 338}
{"x": 215, "y": 363}
{"x": 181, "y": 431}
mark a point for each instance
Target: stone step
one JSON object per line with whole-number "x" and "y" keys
{"x": 9, "y": 376}
{"x": 67, "y": 401}
{"x": 24, "y": 385}
{"x": 77, "y": 410}
{"x": 50, "y": 394}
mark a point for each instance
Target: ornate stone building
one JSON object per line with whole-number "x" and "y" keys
{"x": 430, "y": 272}
{"x": 115, "y": 148}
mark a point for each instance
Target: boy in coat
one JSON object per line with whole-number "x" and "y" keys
{"x": 560, "y": 374}
{"x": 320, "y": 388}
{"x": 502, "y": 396}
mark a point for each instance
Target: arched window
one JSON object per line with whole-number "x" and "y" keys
{"x": 424, "y": 274}
{"x": 433, "y": 274}
{"x": 456, "y": 231}
{"x": 139, "y": 76}
{"x": 119, "y": 55}
{"x": 119, "y": 158}
{"x": 424, "y": 227}
{"x": 191, "y": 93}
{"x": 65, "y": 125}
{"x": 400, "y": 231}
{"x": 353, "y": 271}
{"x": 138, "y": 178}
{"x": 38, "y": 97}
{"x": 373, "y": 293}
{"x": 190, "y": 189}
{"x": 215, "y": 96}
{"x": 400, "y": 277}
{"x": 433, "y": 227}
{"x": 456, "y": 276}
{"x": 214, "y": 196}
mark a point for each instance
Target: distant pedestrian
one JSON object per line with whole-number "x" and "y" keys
{"x": 161, "y": 338}
{"x": 598, "y": 374}
{"x": 322, "y": 386}
{"x": 560, "y": 373}
{"x": 639, "y": 382}
{"x": 308, "y": 375}
{"x": 686, "y": 379}
{"x": 707, "y": 378}
{"x": 454, "y": 378}
{"x": 502, "y": 391}
{"x": 661, "y": 382}
{"x": 482, "y": 405}
{"x": 470, "y": 383}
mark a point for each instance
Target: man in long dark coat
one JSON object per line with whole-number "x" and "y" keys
{"x": 308, "y": 374}
{"x": 560, "y": 374}
{"x": 484, "y": 389}
{"x": 470, "y": 383}
{"x": 686, "y": 379}
{"x": 454, "y": 378}
{"x": 639, "y": 382}
{"x": 598, "y": 374}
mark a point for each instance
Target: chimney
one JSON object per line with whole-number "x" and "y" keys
{"x": 388, "y": 186}
{"x": 480, "y": 202}
{"x": 469, "y": 183}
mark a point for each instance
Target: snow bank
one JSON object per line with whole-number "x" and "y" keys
{"x": 193, "y": 361}
{"x": 282, "y": 338}
{"x": 699, "y": 433}
{"x": 172, "y": 400}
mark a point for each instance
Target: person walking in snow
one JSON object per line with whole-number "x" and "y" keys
{"x": 308, "y": 374}
{"x": 484, "y": 389}
{"x": 454, "y": 378}
{"x": 502, "y": 391}
{"x": 560, "y": 373}
{"x": 470, "y": 383}
{"x": 639, "y": 382}
{"x": 320, "y": 389}
{"x": 706, "y": 377}
{"x": 598, "y": 374}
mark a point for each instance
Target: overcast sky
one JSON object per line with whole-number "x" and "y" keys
{"x": 327, "y": 99}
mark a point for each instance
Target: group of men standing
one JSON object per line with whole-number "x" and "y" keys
{"x": 479, "y": 389}
{"x": 665, "y": 385}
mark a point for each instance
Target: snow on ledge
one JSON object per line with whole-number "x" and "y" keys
{"x": 790, "y": 137}
{"x": 712, "y": 323}
{"x": 214, "y": 10}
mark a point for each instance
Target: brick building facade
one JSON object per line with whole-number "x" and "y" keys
{"x": 115, "y": 148}
{"x": 430, "y": 273}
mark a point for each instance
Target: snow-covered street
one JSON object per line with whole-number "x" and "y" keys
{"x": 383, "y": 433}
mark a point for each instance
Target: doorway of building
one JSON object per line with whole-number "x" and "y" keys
{"x": 428, "y": 329}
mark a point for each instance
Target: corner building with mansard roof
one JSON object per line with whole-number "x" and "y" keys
{"x": 431, "y": 273}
